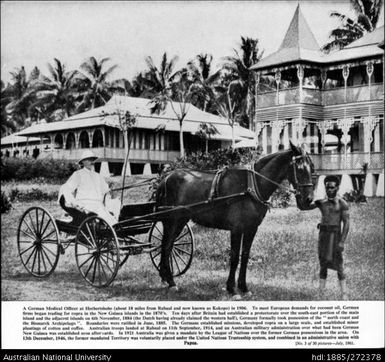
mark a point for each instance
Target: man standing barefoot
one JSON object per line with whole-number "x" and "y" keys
{"x": 333, "y": 230}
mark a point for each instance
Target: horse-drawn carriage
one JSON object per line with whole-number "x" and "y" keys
{"x": 100, "y": 249}
{"x": 231, "y": 199}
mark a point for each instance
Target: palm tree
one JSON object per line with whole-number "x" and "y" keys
{"x": 200, "y": 69}
{"x": 367, "y": 16}
{"x": 238, "y": 69}
{"x": 56, "y": 94}
{"x": 16, "y": 98}
{"x": 98, "y": 89}
{"x": 206, "y": 131}
{"x": 177, "y": 89}
{"x": 158, "y": 80}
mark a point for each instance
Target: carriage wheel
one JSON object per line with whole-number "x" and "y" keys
{"x": 97, "y": 251}
{"x": 38, "y": 242}
{"x": 182, "y": 251}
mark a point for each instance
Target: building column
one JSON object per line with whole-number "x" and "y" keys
{"x": 257, "y": 79}
{"x": 276, "y": 129}
{"x": 324, "y": 77}
{"x": 369, "y": 72}
{"x": 380, "y": 185}
{"x": 345, "y": 124}
{"x": 323, "y": 127}
{"x": 346, "y": 184}
{"x": 147, "y": 169}
{"x": 300, "y": 75}
{"x": 369, "y": 125}
{"x": 345, "y": 75}
{"x": 286, "y": 139}
{"x": 320, "y": 192}
{"x": 264, "y": 140}
{"x": 277, "y": 77}
{"x": 104, "y": 169}
{"x": 299, "y": 126}
{"x": 370, "y": 185}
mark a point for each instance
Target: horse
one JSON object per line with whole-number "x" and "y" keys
{"x": 241, "y": 215}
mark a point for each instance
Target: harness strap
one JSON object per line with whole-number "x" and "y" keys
{"x": 215, "y": 183}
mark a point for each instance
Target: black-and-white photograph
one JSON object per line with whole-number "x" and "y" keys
{"x": 192, "y": 151}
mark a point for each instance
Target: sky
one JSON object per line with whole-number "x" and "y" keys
{"x": 33, "y": 33}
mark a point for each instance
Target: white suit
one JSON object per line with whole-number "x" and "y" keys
{"x": 87, "y": 189}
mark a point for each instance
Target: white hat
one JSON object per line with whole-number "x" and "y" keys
{"x": 87, "y": 154}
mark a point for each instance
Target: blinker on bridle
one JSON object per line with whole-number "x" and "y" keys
{"x": 296, "y": 184}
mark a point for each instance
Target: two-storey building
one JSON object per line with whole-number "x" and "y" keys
{"x": 317, "y": 94}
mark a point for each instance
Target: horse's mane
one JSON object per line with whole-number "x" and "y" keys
{"x": 261, "y": 163}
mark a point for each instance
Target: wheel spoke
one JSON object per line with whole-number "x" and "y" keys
{"x": 27, "y": 234}
{"x": 37, "y": 219}
{"x": 94, "y": 272}
{"x": 30, "y": 255}
{"x": 24, "y": 251}
{"x": 102, "y": 269}
{"x": 33, "y": 226}
{"x": 106, "y": 263}
{"x": 179, "y": 257}
{"x": 48, "y": 249}
{"x": 85, "y": 261}
{"x": 182, "y": 250}
{"x": 34, "y": 260}
{"x": 90, "y": 244}
{"x": 91, "y": 236}
{"x": 181, "y": 236}
{"x": 155, "y": 237}
{"x": 184, "y": 243}
{"x": 90, "y": 266}
{"x": 156, "y": 227}
{"x": 53, "y": 231}
{"x": 47, "y": 257}
{"x": 45, "y": 228}
{"x": 174, "y": 258}
{"x": 32, "y": 231}
{"x": 43, "y": 261}
{"x": 42, "y": 222}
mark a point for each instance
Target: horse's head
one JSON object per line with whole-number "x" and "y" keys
{"x": 300, "y": 176}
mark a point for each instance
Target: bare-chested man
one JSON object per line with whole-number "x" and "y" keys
{"x": 331, "y": 241}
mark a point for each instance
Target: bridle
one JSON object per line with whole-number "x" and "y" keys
{"x": 296, "y": 184}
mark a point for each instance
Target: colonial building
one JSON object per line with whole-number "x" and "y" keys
{"x": 154, "y": 137}
{"x": 316, "y": 94}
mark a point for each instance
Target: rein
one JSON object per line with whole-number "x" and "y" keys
{"x": 297, "y": 184}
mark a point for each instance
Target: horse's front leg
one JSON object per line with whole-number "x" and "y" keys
{"x": 248, "y": 238}
{"x": 236, "y": 238}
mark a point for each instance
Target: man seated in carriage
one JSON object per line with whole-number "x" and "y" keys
{"x": 87, "y": 191}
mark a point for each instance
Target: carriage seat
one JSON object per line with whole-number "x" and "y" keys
{"x": 76, "y": 215}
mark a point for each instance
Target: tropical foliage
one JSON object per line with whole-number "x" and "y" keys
{"x": 367, "y": 15}
{"x": 65, "y": 92}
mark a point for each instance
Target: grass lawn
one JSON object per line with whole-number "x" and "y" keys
{"x": 283, "y": 263}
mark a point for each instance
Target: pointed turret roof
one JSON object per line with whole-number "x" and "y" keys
{"x": 299, "y": 44}
{"x": 299, "y": 34}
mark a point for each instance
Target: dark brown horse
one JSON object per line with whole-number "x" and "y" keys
{"x": 241, "y": 215}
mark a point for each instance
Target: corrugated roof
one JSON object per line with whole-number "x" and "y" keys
{"x": 373, "y": 38}
{"x": 107, "y": 115}
{"x": 16, "y": 139}
{"x": 299, "y": 45}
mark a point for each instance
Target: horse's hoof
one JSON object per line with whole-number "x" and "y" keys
{"x": 236, "y": 297}
{"x": 248, "y": 294}
{"x": 173, "y": 289}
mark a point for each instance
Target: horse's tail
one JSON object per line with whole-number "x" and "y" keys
{"x": 161, "y": 192}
